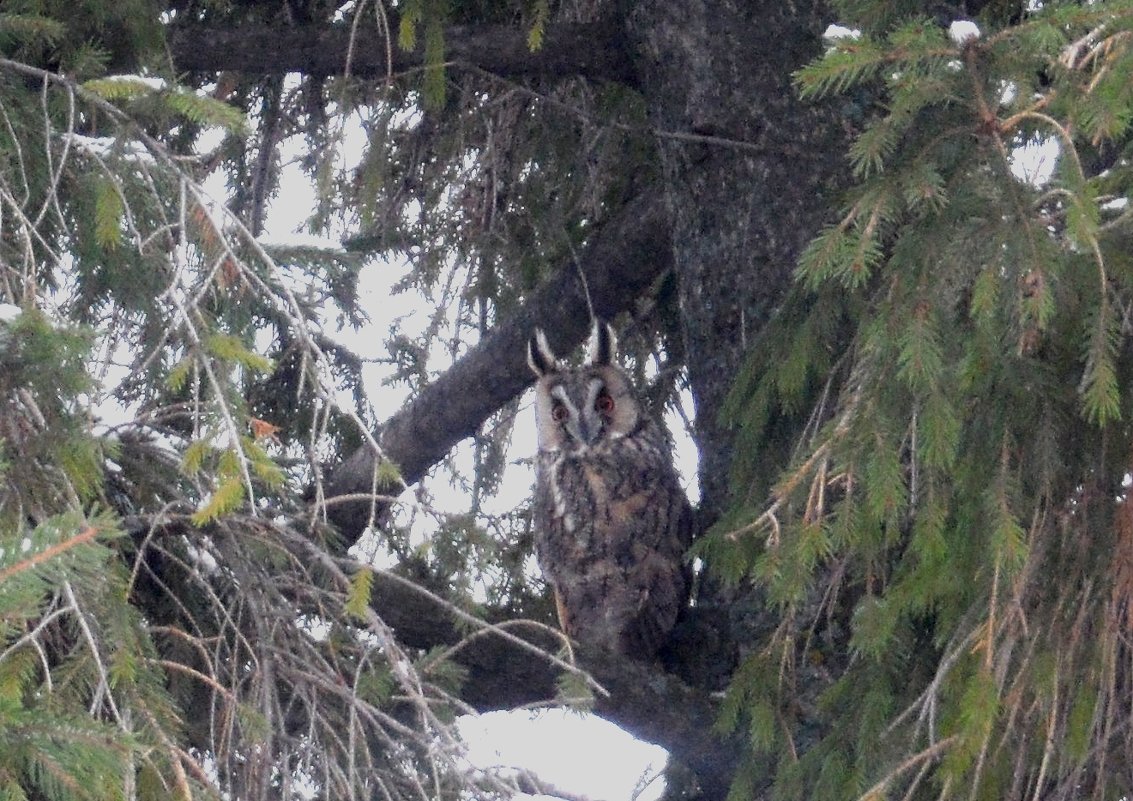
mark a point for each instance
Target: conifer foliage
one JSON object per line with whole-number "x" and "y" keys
{"x": 940, "y": 418}
{"x": 171, "y": 625}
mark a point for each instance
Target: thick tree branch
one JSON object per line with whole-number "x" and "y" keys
{"x": 643, "y": 699}
{"x": 622, "y": 261}
{"x": 592, "y": 50}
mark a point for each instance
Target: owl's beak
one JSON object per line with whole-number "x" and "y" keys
{"x": 589, "y": 431}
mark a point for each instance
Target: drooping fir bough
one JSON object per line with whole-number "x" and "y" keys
{"x": 948, "y": 538}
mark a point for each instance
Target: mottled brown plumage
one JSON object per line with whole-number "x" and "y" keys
{"x": 612, "y": 522}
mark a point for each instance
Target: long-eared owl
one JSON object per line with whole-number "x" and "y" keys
{"x": 612, "y": 522}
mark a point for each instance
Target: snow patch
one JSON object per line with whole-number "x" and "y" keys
{"x": 202, "y": 558}
{"x": 1034, "y": 162}
{"x": 574, "y": 751}
{"x": 299, "y": 240}
{"x": 1008, "y": 91}
{"x": 836, "y": 32}
{"x": 157, "y": 84}
{"x": 103, "y": 146}
{"x": 963, "y": 31}
{"x": 9, "y": 312}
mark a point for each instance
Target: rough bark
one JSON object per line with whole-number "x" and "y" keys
{"x": 591, "y": 50}
{"x": 620, "y": 263}
{"x": 741, "y": 217}
{"x": 741, "y": 214}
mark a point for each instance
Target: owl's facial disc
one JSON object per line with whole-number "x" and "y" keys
{"x": 583, "y": 418}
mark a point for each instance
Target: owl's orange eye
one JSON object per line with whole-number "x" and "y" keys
{"x": 559, "y": 412}
{"x": 604, "y": 403}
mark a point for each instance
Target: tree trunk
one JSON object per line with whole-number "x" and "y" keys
{"x": 749, "y": 193}
{"x": 746, "y": 192}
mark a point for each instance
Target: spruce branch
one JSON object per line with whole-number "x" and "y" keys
{"x": 84, "y": 537}
{"x": 933, "y": 752}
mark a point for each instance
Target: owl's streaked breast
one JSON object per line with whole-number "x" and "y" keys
{"x": 612, "y": 522}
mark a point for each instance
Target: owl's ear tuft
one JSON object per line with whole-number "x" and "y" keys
{"x": 603, "y": 344}
{"x": 540, "y": 357}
